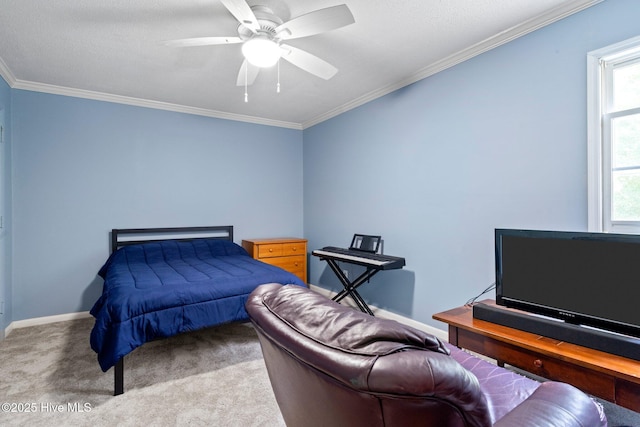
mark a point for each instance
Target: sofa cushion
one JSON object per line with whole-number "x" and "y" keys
{"x": 555, "y": 404}
{"x": 502, "y": 388}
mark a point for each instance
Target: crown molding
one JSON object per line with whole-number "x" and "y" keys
{"x": 138, "y": 102}
{"x": 6, "y": 74}
{"x": 493, "y": 42}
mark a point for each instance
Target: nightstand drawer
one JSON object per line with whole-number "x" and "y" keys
{"x": 271, "y": 250}
{"x": 294, "y": 248}
{"x": 294, "y": 264}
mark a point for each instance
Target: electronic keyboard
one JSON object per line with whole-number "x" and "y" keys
{"x": 367, "y": 259}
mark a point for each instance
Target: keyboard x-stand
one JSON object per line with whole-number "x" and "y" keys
{"x": 373, "y": 263}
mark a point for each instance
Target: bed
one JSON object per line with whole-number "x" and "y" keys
{"x": 160, "y": 282}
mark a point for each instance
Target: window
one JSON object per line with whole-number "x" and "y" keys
{"x": 614, "y": 137}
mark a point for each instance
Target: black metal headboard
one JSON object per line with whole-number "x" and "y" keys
{"x": 133, "y": 236}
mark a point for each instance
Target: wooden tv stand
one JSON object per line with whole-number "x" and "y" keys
{"x": 607, "y": 376}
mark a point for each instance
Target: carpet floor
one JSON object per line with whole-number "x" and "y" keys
{"x": 50, "y": 377}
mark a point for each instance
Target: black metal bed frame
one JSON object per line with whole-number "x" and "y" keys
{"x": 119, "y": 238}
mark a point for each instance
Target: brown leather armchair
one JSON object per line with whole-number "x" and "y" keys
{"x": 330, "y": 365}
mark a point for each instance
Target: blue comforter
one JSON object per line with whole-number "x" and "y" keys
{"x": 164, "y": 288}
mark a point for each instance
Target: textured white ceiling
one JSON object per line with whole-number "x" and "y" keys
{"x": 114, "y": 50}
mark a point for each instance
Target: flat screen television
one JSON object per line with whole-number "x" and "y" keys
{"x": 590, "y": 279}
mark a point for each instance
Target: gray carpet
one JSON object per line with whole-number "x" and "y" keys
{"x": 620, "y": 417}
{"x": 211, "y": 377}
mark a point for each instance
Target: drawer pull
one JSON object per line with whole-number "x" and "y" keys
{"x": 270, "y": 249}
{"x": 537, "y": 363}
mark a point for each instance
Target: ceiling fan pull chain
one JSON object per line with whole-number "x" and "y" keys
{"x": 278, "y": 85}
{"x": 246, "y": 93}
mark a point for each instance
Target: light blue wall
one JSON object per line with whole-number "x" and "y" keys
{"x": 497, "y": 141}
{"x": 83, "y": 167}
{"x": 5, "y": 208}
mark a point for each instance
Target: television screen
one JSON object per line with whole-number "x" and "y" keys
{"x": 591, "y": 279}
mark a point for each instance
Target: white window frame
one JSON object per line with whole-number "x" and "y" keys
{"x": 598, "y": 141}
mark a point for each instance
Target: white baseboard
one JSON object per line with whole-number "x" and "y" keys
{"x": 443, "y": 335}
{"x": 44, "y": 320}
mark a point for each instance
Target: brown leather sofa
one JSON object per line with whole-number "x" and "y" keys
{"x": 330, "y": 365}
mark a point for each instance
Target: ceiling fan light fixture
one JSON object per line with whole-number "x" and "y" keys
{"x": 261, "y": 52}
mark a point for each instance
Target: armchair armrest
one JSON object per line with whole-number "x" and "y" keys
{"x": 555, "y": 404}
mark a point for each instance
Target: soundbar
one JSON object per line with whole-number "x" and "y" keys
{"x": 620, "y": 345}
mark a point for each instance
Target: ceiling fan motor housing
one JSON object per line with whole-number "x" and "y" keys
{"x": 267, "y": 20}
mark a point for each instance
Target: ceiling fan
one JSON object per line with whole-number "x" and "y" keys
{"x": 262, "y": 33}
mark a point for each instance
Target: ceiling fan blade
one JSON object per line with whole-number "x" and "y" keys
{"x": 316, "y": 22}
{"x": 308, "y": 62}
{"x": 251, "y": 74}
{"x": 243, "y": 13}
{"x": 203, "y": 41}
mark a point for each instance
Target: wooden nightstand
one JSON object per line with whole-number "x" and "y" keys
{"x": 287, "y": 253}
